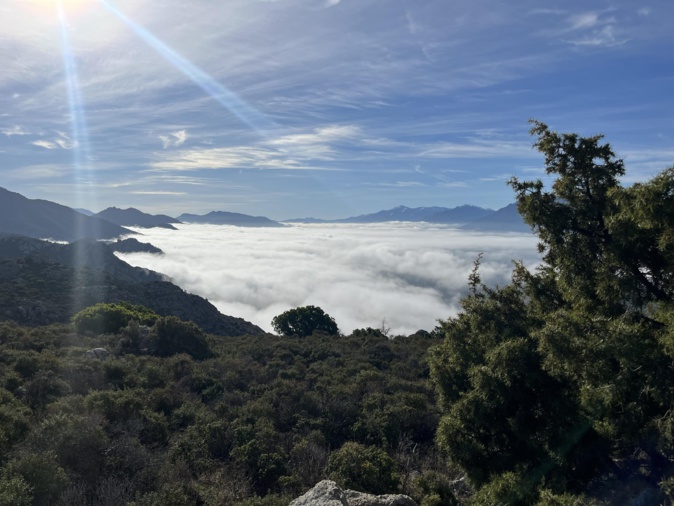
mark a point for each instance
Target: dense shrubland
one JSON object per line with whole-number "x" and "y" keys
{"x": 224, "y": 421}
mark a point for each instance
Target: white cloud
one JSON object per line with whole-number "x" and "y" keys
{"x": 478, "y": 148}
{"x": 604, "y": 37}
{"x": 402, "y": 184}
{"x": 45, "y": 144}
{"x": 585, "y": 20}
{"x": 291, "y": 152}
{"x": 157, "y": 193}
{"x": 15, "y": 130}
{"x": 38, "y": 172}
{"x": 453, "y": 184}
{"x": 174, "y": 139}
{"x": 60, "y": 141}
{"x": 409, "y": 274}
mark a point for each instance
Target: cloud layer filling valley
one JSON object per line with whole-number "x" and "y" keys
{"x": 409, "y": 275}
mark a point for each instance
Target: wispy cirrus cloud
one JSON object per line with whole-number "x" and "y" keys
{"x": 298, "y": 151}
{"x": 15, "y": 130}
{"x": 61, "y": 141}
{"x": 174, "y": 139}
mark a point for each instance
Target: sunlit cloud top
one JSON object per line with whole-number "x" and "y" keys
{"x": 325, "y": 108}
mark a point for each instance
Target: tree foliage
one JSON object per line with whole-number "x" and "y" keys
{"x": 565, "y": 375}
{"x": 365, "y": 468}
{"x": 110, "y": 318}
{"x": 304, "y": 321}
{"x": 170, "y": 336}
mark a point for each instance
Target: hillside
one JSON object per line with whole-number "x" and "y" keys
{"x": 43, "y": 283}
{"x": 48, "y": 220}
{"x": 226, "y": 218}
{"x": 133, "y": 217}
{"x": 506, "y": 219}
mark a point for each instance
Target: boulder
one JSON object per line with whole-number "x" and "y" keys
{"x": 99, "y": 353}
{"x": 354, "y": 498}
{"x": 328, "y": 493}
{"x": 325, "y": 493}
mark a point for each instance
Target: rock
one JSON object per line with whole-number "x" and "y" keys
{"x": 328, "y": 493}
{"x": 99, "y": 353}
{"x": 354, "y": 498}
{"x": 325, "y": 493}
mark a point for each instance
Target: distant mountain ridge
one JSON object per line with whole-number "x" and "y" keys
{"x": 400, "y": 213}
{"x": 226, "y": 218}
{"x": 43, "y": 219}
{"x": 467, "y": 217}
{"x": 506, "y": 219}
{"x": 133, "y": 217}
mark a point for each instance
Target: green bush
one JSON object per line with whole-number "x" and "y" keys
{"x": 170, "y": 336}
{"x": 15, "y": 491}
{"x": 304, "y": 321}
{"x": 41, "y": 472}
{"x": 364, "y": 468}
{"x": 110, "y": 318}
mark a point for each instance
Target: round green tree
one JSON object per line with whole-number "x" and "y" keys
{"x": 110, "y": 318}
{"x": 304, "y": 321}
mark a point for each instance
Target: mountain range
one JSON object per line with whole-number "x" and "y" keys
{"x": 466, "y": 217}
{"x": 43, "y": 219}
{"x": 133, "y": 217}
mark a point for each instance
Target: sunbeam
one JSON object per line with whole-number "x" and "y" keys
{"x": 78, "y": 124}
{"x": 79, "y": 140}
{"x": 253, "y": 118}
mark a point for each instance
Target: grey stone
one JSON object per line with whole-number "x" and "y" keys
{"x": 325, "y": 493}
{"x": 328, "y": 493}
{"x": 99, "y": 353}
{"x": 362, "y": 499}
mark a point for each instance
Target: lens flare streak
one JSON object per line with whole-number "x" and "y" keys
{"x": 253, "y": 118}
{"x": 80, "y": 148}
{"x": 79, "y": 132}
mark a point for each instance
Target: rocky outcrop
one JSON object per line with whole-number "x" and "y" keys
{"x": 328, "y": 493}
{"x": 325, "y": 493}
{"x": 354, "y": 498}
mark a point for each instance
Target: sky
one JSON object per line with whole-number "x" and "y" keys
{"x": 321, "y": 108}
{"x": 402, "y": 276}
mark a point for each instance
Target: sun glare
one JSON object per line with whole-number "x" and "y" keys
{"x": 49, "y": 6}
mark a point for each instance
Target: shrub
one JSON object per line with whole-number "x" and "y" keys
{"x": 14, "y": 491}
{"x": 304, "y": 321}
{"x": 364, "y": 468}
{"x": 110, "y": 318}
{"x": 42, "y": 474}
{"x": 170, "y": 336}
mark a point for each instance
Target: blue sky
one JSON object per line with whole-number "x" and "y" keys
{"x": 325, "y": 108}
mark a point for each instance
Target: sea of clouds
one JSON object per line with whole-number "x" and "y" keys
{"x": 408, "y": 275}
